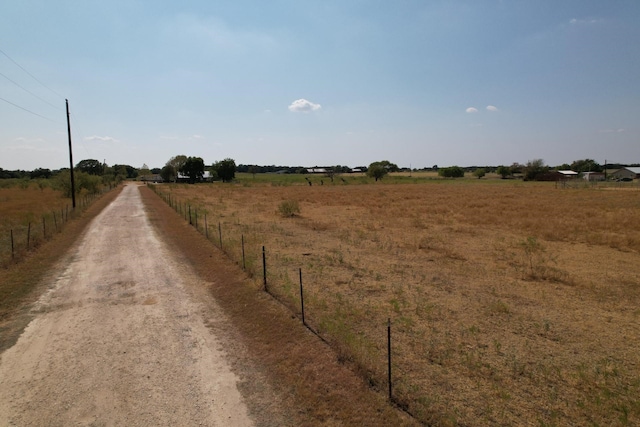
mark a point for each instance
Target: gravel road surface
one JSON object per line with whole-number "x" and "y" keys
{"x": 119, "y": 339}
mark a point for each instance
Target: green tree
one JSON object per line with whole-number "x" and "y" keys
{"x": 168, "y": 173}
{"x": 177, "y": 162}
{"x": 516, "y": 168}
{"x": 144, "y": 170}
{"x": 83, "y": 181}
{"x": 40, "y": 173}
{"x": 376, "y": 170}
{"x": 479, "y": 173}
{"x": 534, "y": 168}
{"x": 90, "y": 166}
{"x": 126, "y": 171}
{"x": 193, "y": 167}
{"x": 586, "y": 165}
{"x": 451, "y": 172}
{"x": 390, "y": 167}
{"x": 503, "y": 171}
{"x": 225, "y": 169}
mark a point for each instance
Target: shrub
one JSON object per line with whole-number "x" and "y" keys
{"x": 289, "y": 208}
{"x": 451, "y": 172}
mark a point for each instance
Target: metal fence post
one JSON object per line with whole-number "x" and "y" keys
{"x": 389, "y": 357}
{"x": 302, "y": 298}
{"x": 264, "y": 270}
{"x": 244, "y": 265}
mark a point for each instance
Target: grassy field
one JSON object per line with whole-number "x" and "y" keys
{"x": 32, "y": 213}
{"x": 511, "y": 303}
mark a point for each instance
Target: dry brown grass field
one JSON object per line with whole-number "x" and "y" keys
{"x": 24, "y": 206}
{"x": 510, "y": 303}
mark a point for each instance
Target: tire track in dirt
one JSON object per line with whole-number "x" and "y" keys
{"x": 118, "y": 340}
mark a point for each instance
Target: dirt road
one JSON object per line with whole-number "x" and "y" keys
{"x": 119, "y": 339}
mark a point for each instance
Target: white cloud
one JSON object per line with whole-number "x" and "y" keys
{"x": 196, "y": 136}
{"x": 575, "y": 21}
{"x": 100, "y": 138}
{"x": 492, "y": 108}
{"x": 471, "y": 110}
{"x": 303, "y": 106}
{"x": 612, "y": 131}
{"x": 23, "y": 139}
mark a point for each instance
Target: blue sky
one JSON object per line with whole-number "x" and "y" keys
{"x": 326, "y": 82}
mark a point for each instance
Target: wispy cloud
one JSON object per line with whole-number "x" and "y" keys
{"x": 492, "y": 108}
{"x": 612, "y": 130}
{"x": 576, "y": 21}
{"x": 471, "y": 110}
{"x": 303, "y": 106}
{"x": 100, "y": 138}
{"x": 28, "y": 140}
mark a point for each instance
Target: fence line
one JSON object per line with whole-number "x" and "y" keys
{"x": 19, "y": 239}
{"x": 173, "y": 202}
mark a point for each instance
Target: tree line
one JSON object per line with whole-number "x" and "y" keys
{"x": 192, "y": 169}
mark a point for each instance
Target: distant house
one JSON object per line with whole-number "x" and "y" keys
{"x": 552, "y": 175}
{"x": 154, "y": 177}
{"x": 185, "y": 178}
{"x": 626, "y": 173}
{"x": 593, "y": 176}
{"x": 317, "y": 170}
{"x": 568, "y": 174}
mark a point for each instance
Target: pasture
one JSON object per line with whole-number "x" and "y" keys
{"x": 511, "y": 303}
{"x": 30, "y": 210}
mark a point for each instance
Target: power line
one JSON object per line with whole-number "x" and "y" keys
{"x": 32, "y": 76}
{"x": 28, "y": 91}
{"x": 28, "y": 111}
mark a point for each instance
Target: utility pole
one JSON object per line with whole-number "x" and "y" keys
{"x": 73, "y": 184}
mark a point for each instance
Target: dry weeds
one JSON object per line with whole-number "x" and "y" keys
{"x": 511, "y": 303}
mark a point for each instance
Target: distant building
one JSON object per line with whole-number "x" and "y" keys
{"x": 552, "y": 175}
{"x": 206, "y": 177}
{"x": 628, "y": 173}
{"x": 593, "y": 176}
{"x": 154, "y": 177}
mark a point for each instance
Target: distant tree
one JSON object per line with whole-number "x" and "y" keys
{"x": 40, "y": 173}
{"x": 83, "y": 182}
{"x": 516, "y": 168}
{"x": 252, "y": 170}
{"x": 225, "y": 169}
{"x": 333, "y": 171}
{"x": 503, "y": 171}
{"x": 126, "y": 171}
{"x": 90, "y": 166}
{"x": 168, "y": 173}
{"x": 534, "y": 168}
{"x": 479, "y": 173}
{"x": 390, "y": 167}
{"x": 377, "y": 171}
{"x": 451, "y": 172}
{"x": 177, "y": 162}
{"x": 156, "y": 171}
{"x": 193, "y": 167}
{"x": 144, "y": 170}
{"x": 586, "y": 165}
